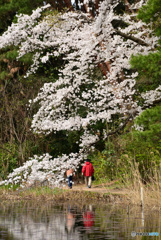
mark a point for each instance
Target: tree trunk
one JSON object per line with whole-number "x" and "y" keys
{"x": 10, "y": 117}
{"x": 97, "y": 6}
{"x": 68, "y": 4}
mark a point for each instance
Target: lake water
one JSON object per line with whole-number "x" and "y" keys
{"x": 49, "y": 221}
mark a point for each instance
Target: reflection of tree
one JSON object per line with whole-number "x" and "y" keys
{"x": 4, "y": 234}
{"x": 34, "y": 221}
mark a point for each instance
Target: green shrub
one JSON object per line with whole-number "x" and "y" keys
{"x": 8, "y": 159}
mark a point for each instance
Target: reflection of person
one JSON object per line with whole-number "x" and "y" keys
{"x": 88, "y": 218}
{"x": 70, "y": 173}
{"x": 70, "y": 222}
{"x": 88, "y": 171}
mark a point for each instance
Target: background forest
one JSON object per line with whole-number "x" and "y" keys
{"x": 131, "y": 143}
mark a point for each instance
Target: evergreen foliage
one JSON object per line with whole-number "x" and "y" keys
{"x": 151, "y": 12}
{"x": 149, "y": 66}
{"x": 144, "y": 145}
{"x": 10, "y": 8}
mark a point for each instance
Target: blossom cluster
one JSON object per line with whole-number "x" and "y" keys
{"x": 60, "y": 102}
{"x": 152, "y": 96}
{"x": 44, "y": 168}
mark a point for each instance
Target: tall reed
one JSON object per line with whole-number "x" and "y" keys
{"x": 133, "y": 181}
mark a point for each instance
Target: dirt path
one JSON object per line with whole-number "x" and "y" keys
{"x": 99, "y": 189}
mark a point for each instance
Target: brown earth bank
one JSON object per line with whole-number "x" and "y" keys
{"x": 77, "y": 193}
{"x": 109, "y": 192}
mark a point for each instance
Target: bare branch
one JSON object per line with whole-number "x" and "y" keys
{"x": 137, "y": 40}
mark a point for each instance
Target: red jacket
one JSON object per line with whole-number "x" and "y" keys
{"x": 88, "y": 169}
{"x": 88, "y": 219}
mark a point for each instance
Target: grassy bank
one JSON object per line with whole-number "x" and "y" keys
{"x": 103, "y": 193}
{"x": 62, "y": 195}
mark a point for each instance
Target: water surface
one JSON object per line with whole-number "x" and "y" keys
{"x": 49, "y": 221}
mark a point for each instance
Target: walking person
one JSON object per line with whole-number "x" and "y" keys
{"x": 88, "y": 171}
{"x": 70, "y": 173}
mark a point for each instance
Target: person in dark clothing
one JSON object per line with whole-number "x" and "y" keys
{"x": 88, "y": 171}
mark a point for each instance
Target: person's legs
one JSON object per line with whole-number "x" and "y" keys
{"x": 89, "y": 181}
{"x": 70, "y": 181}
{"x": 86, "y": 180}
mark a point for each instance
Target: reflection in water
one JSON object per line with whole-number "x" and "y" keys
{"x": 142, "y": 215}
{"x": 70, "y": 222}
{"x": 88, "y": 217}
{"x": 47, "y": 221}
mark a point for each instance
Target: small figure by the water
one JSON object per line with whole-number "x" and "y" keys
{"x": 70, "y": 173}
{"x": 88, "y": 171}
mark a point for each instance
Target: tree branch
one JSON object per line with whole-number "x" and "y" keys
{"x": 108, "y": 134}
{"x": 128, "y": 6}
{"x": 120, "y": 127}
{"x": 137, "y": 40}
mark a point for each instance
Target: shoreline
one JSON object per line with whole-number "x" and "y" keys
{"x": 79, "y": 193}
{"x": 62, "y": 195}
{"x": 82, "y": 195}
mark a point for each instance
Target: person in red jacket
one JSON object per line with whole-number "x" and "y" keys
{"x": 88, "y": 171}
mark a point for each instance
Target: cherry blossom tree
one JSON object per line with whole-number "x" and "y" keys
{"x": 96, "y": 82}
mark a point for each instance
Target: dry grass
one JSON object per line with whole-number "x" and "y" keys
{"x": 63, "y": 195}
{"x": 151, "y": 189}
